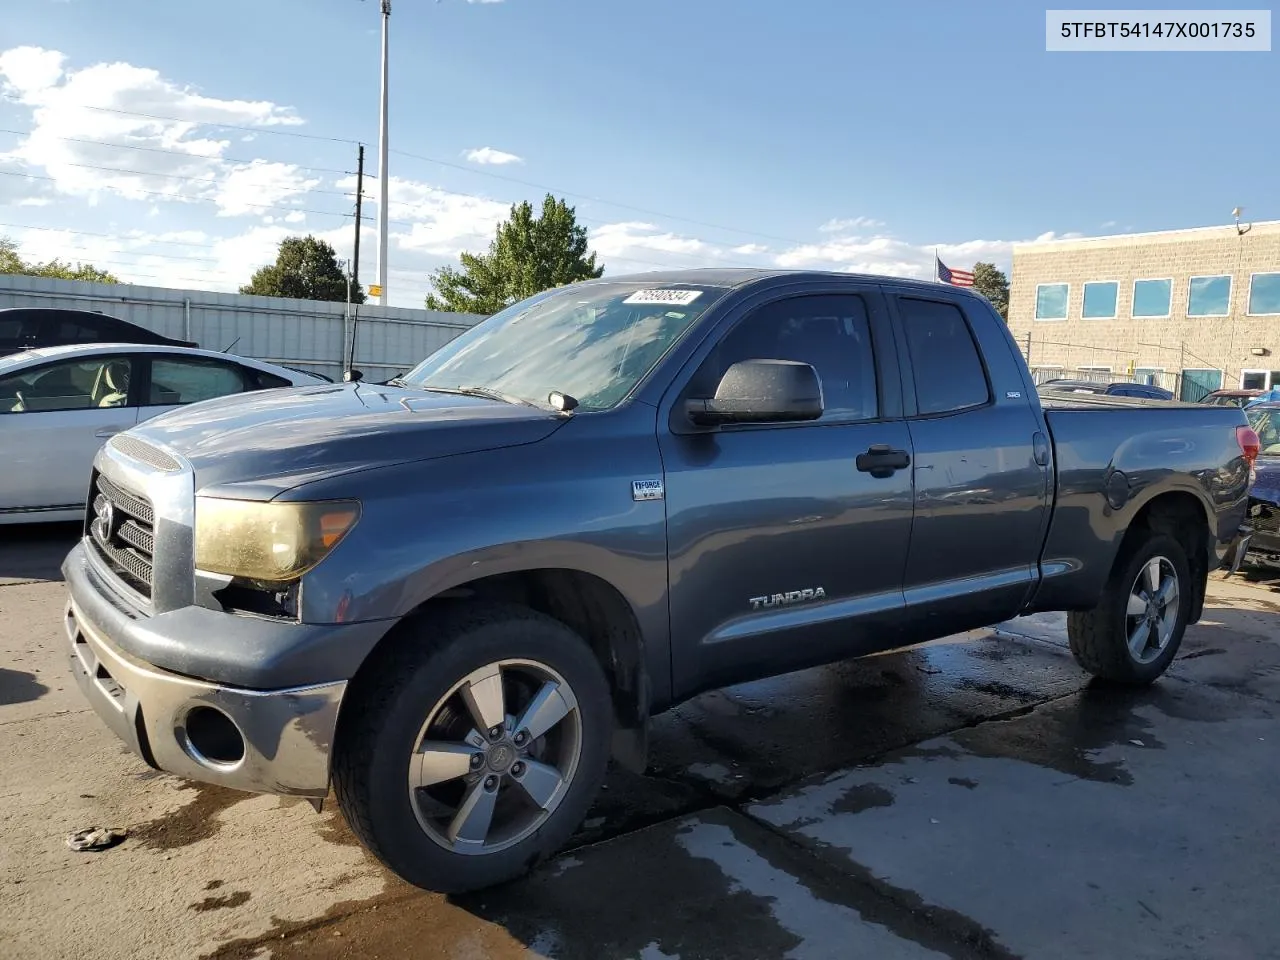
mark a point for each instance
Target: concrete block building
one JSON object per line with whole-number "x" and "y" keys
{"x": 1191, "y": 310}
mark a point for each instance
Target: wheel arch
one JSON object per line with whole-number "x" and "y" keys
{"x": 585, "y": 602}
{"x": 1184, "y": 516}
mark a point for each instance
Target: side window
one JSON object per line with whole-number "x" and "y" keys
{"x": 948, "y": 370}
{"x": 831, "y": 333}
{"x": 175, "y": 381}
{"x": 76, "y": 331}
{"x": 11, "y": 332}
{"x": 69, "y": 385}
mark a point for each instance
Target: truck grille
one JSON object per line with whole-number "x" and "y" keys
{"x": 122, "y": 530}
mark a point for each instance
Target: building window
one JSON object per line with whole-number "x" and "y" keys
{"x": 1051, "y": 301}
{"x": 1259, "y": 379}
{"x": 1198, "y": 384}
{"x": 1100, "y": 300}
{"x": 1264, "y": 294}
{"x": 1151, "y": 297}
{"x": 1209, "y": 297}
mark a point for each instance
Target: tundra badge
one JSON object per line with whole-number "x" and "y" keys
{"x": 788, "y": 598}
{"x": 647, "y": 490}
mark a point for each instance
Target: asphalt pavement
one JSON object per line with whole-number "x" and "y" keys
{"x": 976, "y": 797}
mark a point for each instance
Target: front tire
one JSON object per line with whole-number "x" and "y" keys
{"x": 472, "y": 748}
{"x": 1134, "y": 632}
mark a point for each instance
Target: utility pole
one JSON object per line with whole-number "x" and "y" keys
{"x": 355, "y": 257}
{"x": 382, "y": 164}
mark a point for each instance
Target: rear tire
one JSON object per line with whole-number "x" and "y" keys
{"x": 1134, "y": 632}
{"x": 472, "y": 749}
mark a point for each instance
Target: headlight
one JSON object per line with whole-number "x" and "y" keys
{"x": 270, "y": 542}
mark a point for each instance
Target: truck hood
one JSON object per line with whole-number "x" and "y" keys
{"x": 276, "y": 439}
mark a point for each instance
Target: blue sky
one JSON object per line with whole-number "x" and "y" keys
{"x": 814, "y": 133}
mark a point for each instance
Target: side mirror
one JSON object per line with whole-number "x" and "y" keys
{"x": 352, "y": 376}
{"x": 761, "y": 391}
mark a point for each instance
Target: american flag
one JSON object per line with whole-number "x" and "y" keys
{"x": 957, "y": 278}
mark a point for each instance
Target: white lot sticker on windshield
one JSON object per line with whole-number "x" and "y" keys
{"x": 680, "y": 298}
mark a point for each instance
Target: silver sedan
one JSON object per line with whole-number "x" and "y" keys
{"x": 59, "y": 404}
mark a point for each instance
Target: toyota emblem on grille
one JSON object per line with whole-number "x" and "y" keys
{"x": 106, "y": 521}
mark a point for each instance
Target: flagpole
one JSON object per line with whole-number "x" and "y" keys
{"x": 936, "y": 276}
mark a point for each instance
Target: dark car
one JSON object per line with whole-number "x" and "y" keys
{"x": 454, "y": 597}
{"x": 29, "y": 328}
{"x": 1117, "y": 389}
{"x": 1230, "y": 398}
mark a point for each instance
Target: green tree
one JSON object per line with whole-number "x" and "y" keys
{"x": 305, "y": 268}
{"x": 11, "y": 262}
{"x": 994, "y": 285}
{"x": 528, "y": 255}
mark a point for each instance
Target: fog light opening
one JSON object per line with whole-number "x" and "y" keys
{"x": 211, "y": 738}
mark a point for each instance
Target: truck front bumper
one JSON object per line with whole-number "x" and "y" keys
{"x": 263, "y": 741}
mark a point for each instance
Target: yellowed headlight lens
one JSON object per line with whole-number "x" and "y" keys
{"x": 270, "y": 542}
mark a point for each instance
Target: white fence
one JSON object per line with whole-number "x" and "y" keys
{"x": 310, "y": 335}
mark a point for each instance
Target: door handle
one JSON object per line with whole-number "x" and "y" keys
{"x": 106, "y": 432}
{"x": 882, "y": 461}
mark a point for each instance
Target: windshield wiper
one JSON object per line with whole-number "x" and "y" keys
{"x": 490, "y": 394}
{"x": 396, "y": 382}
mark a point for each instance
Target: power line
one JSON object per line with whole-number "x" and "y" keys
{"x": 584, "y": 196}
{"x": 171, "y": 151}
{"x": 456, "y": 166}
{"x": 181, "y": 176}
{"x": 217, "y": 123}
{"x": 188, "y": 199}
{"x": 109, "y": 236}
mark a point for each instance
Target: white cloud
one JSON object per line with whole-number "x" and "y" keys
{"x": 484, "y": 1}
{"x": 491, "y": 157}
{"x": 750, "y": 250}
{"x": 632, "y": 246}
{"x": 837, "y": 225}
{"x": 34, "y": 202}
{"x": 79, "y": 139}
{"x": 433, "y": 221}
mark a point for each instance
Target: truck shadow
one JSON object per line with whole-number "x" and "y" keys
{"x": 17, "y": 686}
{"x": 35, "y": 551}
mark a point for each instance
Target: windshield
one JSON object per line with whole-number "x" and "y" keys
{"x": 593, "y": 342}
{"x": 1266, "y": 425}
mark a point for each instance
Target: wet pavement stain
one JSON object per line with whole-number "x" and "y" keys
{"x": 852, "y": 886}
{"x": 400, "y": 922}
{"x": 17, "y": 686}
{"x": 963, "y": 782}
{"x": 214, "y": 884}
{"x": 196, "y": 821}
{"x": 863, "y": 796}
{"x": 221, "y": 903}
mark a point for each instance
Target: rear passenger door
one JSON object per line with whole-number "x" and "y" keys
{"x": 981, "y": 497}
{"x": 176, "y": 381}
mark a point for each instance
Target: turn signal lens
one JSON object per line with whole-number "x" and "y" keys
{"x": 1250, "y": 445}
{"x": 268, "y": 542}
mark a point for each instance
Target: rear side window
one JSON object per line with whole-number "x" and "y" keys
{"x": 188, "y": 380}
{"x": 76, "y": 331}
{"x": 10, "y": 332}
{"x": 948, "y": 370}
{"x": 269, "y": 381}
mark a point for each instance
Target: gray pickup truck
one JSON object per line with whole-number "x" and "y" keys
{"x": 455, "y": 596}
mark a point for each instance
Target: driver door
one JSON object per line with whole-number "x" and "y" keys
{"x": 787, "y": 544}
{"x": 53, "y": 419}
